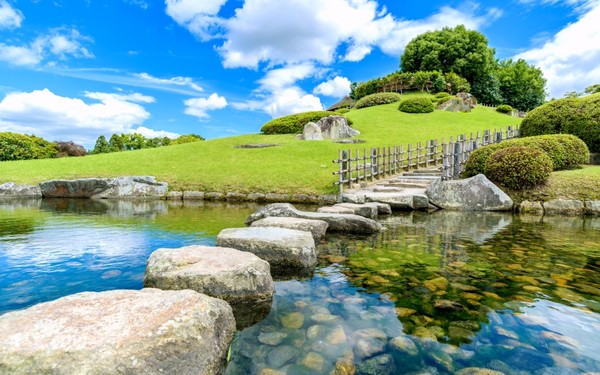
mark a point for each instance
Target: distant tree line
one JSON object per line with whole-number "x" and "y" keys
{"x": 136, "y": 141}
{"x": 465, "y": 54}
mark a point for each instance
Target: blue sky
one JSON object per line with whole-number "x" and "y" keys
{"x": 77, "y": 69}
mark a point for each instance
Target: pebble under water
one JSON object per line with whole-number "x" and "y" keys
{"x": 438, "y": 293}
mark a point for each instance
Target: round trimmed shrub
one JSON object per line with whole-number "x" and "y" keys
{"x": 477, "y": 160}
{"x": 576, "y": 116}
{"x": 576, "y": 151}
{"x": 518, "y": 167}
{"x": 504, "y": 108}
{"x": 442, "y": 94}
{"x": 293, "y": 124}
{"x": 417, "y": 104}
{"x": 377, "y": 99}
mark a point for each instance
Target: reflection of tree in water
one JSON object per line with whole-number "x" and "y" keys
{"x": 19, "y": 217}
{"x": 444, "y": 284}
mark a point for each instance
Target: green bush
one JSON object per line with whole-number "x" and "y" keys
{"x": 417, "y": 104}
{"x": 377, "y": 99}
{"x": 15, "y": 146}
{"x": 442, "y": 94}
{"x": 518, "y": 167}
{"x": 576, "y": 116}
{"x": 293, "y": 124}
{"x": 504, "y": 108}
{"x": 565, "y": 151}
{"x": 341, "y": 111}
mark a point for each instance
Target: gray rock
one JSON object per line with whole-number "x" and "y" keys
{"x": 335, "y": 210}
{"x": 214, "y": 196}
{"x": 12, "y": 190}
{"x": 316, "y": 227}
{"x": 404, "y": 346}
{"x": 121, "y": 187}
{"x": 271, "y": 338}
{"x": 408, "y": 199}
{"x": 564, "y": 207}
{"x": 337, "y": 222}
{"x": 336, "y": 127}
{"x": 382, "y": 208}
{"x": 288, "y": 251}
{"x": 174, "y": 196}
{"x": 312, "y": 132}
{"x": 193, "y": 195}
{"x": 592, "y": 207}
{"x": 364, "y": 210}
{"x": 472, "y": 194}
{"x": 282, "y": 355}
{"x": 368, "y": 347}
{"x": 383, "y": 364}
{"x": 240, "y": 278}
{"x": 146, "y": 331}
{"x": 353, "y": 198}
{"x": 534, "y": 208}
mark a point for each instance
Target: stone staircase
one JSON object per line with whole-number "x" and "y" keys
{"x": 418, "y": 179}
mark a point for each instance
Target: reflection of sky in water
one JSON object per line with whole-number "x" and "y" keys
{"x": 62, "y": 257}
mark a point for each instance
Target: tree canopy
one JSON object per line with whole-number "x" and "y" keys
{"x": 136, "y": 141}
{"x": 522, "y": 86}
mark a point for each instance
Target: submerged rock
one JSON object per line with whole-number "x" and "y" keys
{"x": 337, "y": 222}
{"x": 240, "y": 278}
{"x": 317, "y": 228}
{"x": 404, "y": 346}
{"x": 146, "y": 331}
{"x": 472, "y": 194}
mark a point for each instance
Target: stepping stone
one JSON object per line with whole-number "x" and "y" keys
{"x": 316, "y": 227}
{"x": 363, "y": 210}
{"x": 238, "y": 277}
{"x": 382, "y": 208}
{"x": 146, "y": 331}
{"x": 288, "y": 251}
{"x": 335, "y": 210}
{"x": 409, "y": 199}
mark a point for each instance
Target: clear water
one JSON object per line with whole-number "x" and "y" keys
{"x": 433, "y": 294}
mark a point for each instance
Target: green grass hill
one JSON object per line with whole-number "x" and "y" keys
{"x": 298, "y": 167}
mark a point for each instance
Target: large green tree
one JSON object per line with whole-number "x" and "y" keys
{"x": 522, "y": 86}
{"x": 464, "y": 52}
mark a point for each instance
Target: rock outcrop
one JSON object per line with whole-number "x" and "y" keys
{"x": 147, "y": 331}
{"x": 337, "y": 222}
{"x": 332, "y": 127}
{"x": 472, "y": 194}
{"x": 121, "y": 187}
{"x": 288, "y": 251}
{"x": 12, "y": 190}
{"x": 240, "y": 278}
{"x": 312, "y": 132}
{"x": 317, "y": 228}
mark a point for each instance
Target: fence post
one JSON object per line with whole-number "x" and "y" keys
{"x": 373, "y": 163}
{"x": 445, "y": 162}
{"x": 456, "y": 157}
{"x": 343, "y": 165}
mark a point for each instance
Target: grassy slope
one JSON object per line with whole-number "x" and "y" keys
{"x": 292, "y": 167}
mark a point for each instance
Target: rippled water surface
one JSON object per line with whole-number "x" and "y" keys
{"x": 437, "y": 293}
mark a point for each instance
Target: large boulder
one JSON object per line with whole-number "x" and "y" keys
{"x": 337, "y": 222}
{"x": 312, "y": 132}
{"x": 121, "y": 187}
{"x": 147, "y": 331}
{"x": 316, "y": 227}
{"x": 472, "y": 194}
{"x": 12, "y": 190}
{"x": 288, "y": 251}
{"x": 336, "y": 127}
{"x": 240, "y": 278}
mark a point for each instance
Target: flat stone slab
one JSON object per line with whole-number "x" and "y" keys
{"x": 317, "y": 228}
{"x": 335, "y": 210}
{"x": 382, "y": 208}
{"x": 592, "y": 207}
{"x": 471, "y": 194}
{"x": 288, "y": 251}
{"x": 12, "y": 190}
{"x": 564, "y": 207}
{"x": 146, "y": 331}
{"x": 337, "y": 222}
{"x": 363, "y": 210}
{"x": 121, "y": 187}
{"x": 408, "y": 199}
{"x": 238, "y": 277}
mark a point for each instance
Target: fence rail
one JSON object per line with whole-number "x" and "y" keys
{"x": 368, "y": 165}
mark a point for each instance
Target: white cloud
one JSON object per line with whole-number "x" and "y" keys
{"x": 58, "y": 43}
{"x": 570, "y": 60}
{"x": 146, "y": 132}
{"x": 337, "y": 87}
{"x": 199, "y": 107}
{"x": 174, "y": 81}
{"x": 9, "y": 16}
{"x": 291, "y": 100}
{"x": 199, "y": 17}
{"x": 54, "y": 117}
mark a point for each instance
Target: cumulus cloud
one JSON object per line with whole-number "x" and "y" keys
{"x": 337, "y": 87}
{"x": 55, "y": 117}
{"x": 59, "y": 43}
{"x": 174, "y": 81}
{"x": 570, "y": 60}
{"x": 150, "y": 133}
{"x": 199, "y": 17}
{"x": 199, "y": 107}
{"x": 9, "y": 16}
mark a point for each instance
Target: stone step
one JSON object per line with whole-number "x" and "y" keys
{"x": 432, "y": 178}
{"x": 386, "y": 188}
{"x": 425, "y": 171}
{"x": 415, "y": 174}
{"x": 400, "y": 186}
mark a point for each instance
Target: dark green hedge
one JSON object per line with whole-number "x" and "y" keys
{"x": 577, "y": 116}
{"x": 293, "y": 124}
{"x": 378, "y": 99}
{"x": 417, "y": 104}
{"x": 518, "y": 167}
{"x": 15, "y": 146}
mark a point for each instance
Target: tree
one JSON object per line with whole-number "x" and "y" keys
{"x": 522, "y": 86}
{"x": 115, "y": 143}
{"x": 464, "y": 52}
{"x": 101, "y": 146}
{"x": 456, "y": 83}
{"x": 593, "y": 89}
{"x": 187, "y": 138}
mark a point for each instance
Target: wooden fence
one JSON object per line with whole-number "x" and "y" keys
{"x": 368, "y": 165}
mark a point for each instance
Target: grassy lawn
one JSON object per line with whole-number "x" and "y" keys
{"x": 298, "y": 167}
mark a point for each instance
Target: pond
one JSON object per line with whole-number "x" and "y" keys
{"x": 437, "y": 293}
